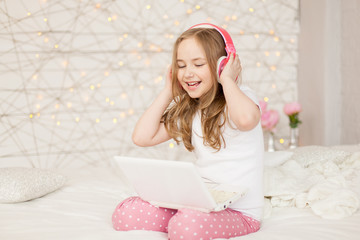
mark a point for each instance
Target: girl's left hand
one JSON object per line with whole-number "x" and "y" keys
{"x": 231, "y": 70}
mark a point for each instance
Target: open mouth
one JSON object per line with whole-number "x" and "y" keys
{"x": 193, "y": 84}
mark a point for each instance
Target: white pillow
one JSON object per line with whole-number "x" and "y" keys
{"x": 272, "y": 159}
{"x": 22, "y": 184}
{"x": 308, "y": 155}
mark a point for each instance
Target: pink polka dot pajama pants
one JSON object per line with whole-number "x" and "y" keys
{"x": 135, "y": 214}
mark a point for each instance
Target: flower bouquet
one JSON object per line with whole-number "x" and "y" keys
{"x": 292, "y": 110}
{"x": 269, "y": 120}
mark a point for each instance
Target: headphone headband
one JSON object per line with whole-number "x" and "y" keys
{"x": 229, "y": 45}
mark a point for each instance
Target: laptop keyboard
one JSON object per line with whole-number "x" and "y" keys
{"x": 221, "y": 196}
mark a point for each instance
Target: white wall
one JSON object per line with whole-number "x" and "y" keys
{"x": 328, "y": 72}
{"x": 350, "y": 71}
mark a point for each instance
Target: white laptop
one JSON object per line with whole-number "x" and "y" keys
{"x": 176, "y": 184}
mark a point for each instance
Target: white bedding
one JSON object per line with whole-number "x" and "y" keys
{"x": 82, "y": 209}
{"x": 323, "y": 179}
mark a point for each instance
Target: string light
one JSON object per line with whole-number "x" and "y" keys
{"x": 146, "y": 61}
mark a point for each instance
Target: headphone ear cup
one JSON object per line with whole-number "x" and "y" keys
{"x": 220, "y": 66}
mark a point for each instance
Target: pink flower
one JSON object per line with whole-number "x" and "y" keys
{"x": 263, "y": 105}
{"x": 269, "y": 119}
{"x": 292, "y": 108}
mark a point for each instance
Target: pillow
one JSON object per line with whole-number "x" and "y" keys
{"x": 272, "y": 159}
{"x": 22, "y": 184}
{"x": 308, "y": 155}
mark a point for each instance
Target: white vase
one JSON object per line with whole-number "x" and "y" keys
{"x": 294, "y": 138}
{"x": 271, "y": 142}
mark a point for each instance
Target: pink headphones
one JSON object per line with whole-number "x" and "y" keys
{"x": 229, "y": 45}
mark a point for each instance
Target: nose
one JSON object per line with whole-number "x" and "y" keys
{"x": 189, "y": 72}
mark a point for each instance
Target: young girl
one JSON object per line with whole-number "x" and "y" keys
{"x": 219, "y": 122}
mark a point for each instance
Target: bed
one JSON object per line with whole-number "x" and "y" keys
{"x": 80, "y": 203}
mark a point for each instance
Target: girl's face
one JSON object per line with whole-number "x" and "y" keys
{"x": 193, "y": 70}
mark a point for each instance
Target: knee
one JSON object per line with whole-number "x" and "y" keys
{"x": 123, "y": 212}
{"x": 186, "y": 224}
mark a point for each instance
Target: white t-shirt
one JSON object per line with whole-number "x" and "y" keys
{"x": 239, "y": 163}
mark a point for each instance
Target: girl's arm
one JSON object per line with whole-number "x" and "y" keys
{"x": 149, "y": 129}
{"x": 242, "y": 110}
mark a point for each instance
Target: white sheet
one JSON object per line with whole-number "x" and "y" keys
{"x": 82, "y": 210}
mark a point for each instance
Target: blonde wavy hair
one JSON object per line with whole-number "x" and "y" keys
{"x": 179, "y": 116}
